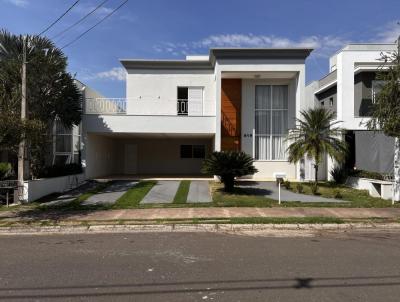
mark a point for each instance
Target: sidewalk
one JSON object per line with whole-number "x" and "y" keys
{"x": 188, "y": 213}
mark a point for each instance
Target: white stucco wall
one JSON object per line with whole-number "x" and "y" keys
{"x": 346, "y": 60}
{"x": 38, "y": 188}
{"x": 155, "y": 91}
{"x": 101, "y": 156}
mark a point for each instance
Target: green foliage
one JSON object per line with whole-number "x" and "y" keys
{"x": 228, "y": 165}
{"x": 299, "y": 188}
{"x": 51, "y": 93}
{"x": 338, "y": 194}
{"x": 367, "y": 174}
{"x": 315, "y": 135}
{"x": 314, "y": 189}
{"x": 60, "y": 170}
{"x": 287, "y": 184}
{"x": 339, "y": 174}
{"x": 5, "y": 170}
{"x": 386, "y": 108}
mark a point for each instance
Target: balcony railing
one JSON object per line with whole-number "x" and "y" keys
{"x": 127, "y": 106}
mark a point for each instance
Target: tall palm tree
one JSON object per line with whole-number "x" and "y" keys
{"x": 316, "y": 134}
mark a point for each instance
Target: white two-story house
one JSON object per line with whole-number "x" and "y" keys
{"x": 349, "y": 90}
{"x": 178, "y": 111}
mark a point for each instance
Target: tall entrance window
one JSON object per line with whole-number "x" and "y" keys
{"x": 183, "y": 97}
{"x": 271, "y": 122}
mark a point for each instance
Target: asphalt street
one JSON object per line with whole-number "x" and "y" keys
{"x": 200, "y": 267}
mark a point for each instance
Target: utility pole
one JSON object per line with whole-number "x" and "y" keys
{"x": 21, "y": 147}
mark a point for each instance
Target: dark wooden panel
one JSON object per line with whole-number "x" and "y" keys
{"x": 231, "y": 102}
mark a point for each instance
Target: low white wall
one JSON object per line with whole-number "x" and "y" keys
{"x": 371, "y": 186}
{"x": 266, "y": 170}
{"x": 35, "y": 189}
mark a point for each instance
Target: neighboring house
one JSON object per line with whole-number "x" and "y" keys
{"x": 178, "y": 111}
{"x": 349, "y": 90}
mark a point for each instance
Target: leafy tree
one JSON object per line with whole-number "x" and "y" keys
{"x": 228, "y": 165}
{"x": 316, "y": 134}
{"x": 386, "y": 108}
{"x": 51, "y": 93}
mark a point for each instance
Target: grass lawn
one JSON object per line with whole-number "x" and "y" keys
{"x": 356, "y": 198}
{"x": 132, "y": 198}
{"x": 182, "y": 192}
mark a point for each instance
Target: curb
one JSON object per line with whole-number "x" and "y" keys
{"x": 220, "y": 228}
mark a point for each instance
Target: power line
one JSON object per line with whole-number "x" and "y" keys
{"x": 80, "y": 20}
{"x": 59, "y": 18}
{"x": 85, "y": 32}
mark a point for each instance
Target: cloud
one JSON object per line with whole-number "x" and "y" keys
{"x": 388, "y": 33}
{"x": 19, "y": 3}
{"x": 113, "y": 74}
{"x": 323, "y": 45}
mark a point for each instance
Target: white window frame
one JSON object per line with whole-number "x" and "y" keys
{"x": 270, "y": 135}
{"x": 73, "y": 137}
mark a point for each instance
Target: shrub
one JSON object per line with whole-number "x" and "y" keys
{"x": 61, "y": 170}
{"x": 287, "y": 184}
{"x": 314, "y": 189}
{"x": 338, "y": 194}
{"x": 6, "y": 170}
{"x": 299, "y": 188}
{"x": 339, "y": 174}
{"x": 228, "y": 165}
{"x": 367, "y": 174}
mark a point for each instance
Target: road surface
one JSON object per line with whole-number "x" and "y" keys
{"x": 200, "y": 267}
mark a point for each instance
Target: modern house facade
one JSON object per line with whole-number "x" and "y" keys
{"x": 178, "y": 111}
{"x": 349, "y": 89}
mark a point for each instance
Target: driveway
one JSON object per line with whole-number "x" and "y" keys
{"x": 269, "y": 189}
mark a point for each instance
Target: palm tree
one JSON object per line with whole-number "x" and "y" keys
{"x": 228, "y": 165}
{"x": 316, "y": 134}
{"x": 51, "y": 93}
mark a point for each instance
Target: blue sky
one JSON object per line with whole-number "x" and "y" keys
{"x": 172, "y": 28}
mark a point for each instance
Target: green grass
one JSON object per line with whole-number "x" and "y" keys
{"x": 134, "y": 195}
{"x": 356, "y": 198}
{"x": 182, "y": 192}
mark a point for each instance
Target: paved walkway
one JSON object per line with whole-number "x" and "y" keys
{"x": 199, "y": 191}
{"x": 163, "y": 192}
{"x": 71, "y": 195}
{"x": 110, "y": 194}
{"x": 270, "y": 190}
{"x": 187, "y": 213}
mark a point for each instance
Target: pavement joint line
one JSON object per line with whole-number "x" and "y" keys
{"x": 215, "y": 227}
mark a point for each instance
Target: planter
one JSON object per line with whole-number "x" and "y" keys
{"x": 376, "y": 188}
{"x": 35, "y": 189}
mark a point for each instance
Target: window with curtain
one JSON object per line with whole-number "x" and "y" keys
{"x": 67, "y": 144}
{"x": 271, "y": 122}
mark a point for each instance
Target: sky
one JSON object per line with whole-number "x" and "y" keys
{"x": 171, "y": 29}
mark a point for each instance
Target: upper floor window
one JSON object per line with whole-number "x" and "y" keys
{"x": 66, "y": 144}
{"x": 190, "y": 101}
{"x": 271, "y": 122}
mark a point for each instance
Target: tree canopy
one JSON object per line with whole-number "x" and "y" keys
{"x": 386, "y": 105}
{"x": 316, "y": 134}
{"x": 51, "y": 91}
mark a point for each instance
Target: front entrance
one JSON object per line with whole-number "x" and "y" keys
{"x": 130, "y": 159}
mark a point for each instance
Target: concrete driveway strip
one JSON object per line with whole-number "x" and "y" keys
{"x": 110, "y": 194}
{"x": 199, "y": 192}
{"x": 163, "y": 192}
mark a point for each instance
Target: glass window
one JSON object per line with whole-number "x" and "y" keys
{"x": 271, "y": 122}
{"x": 199, "y": 151}
{"x": 186, "y": 151}
{"x": 63, "y": 143}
